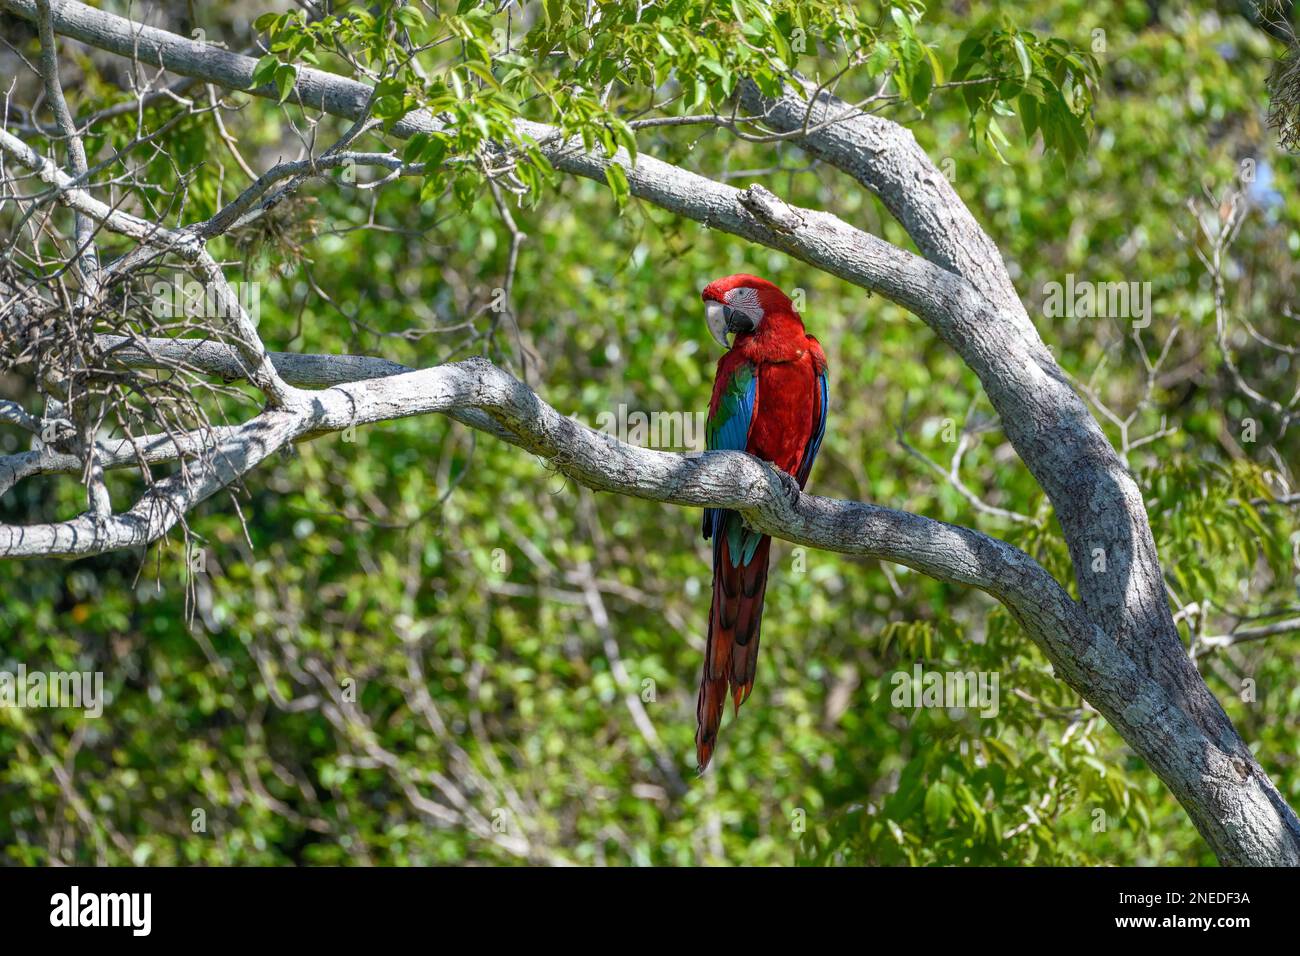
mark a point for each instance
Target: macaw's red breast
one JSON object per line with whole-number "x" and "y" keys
{"x": 784, "y": 412}
{"x": 787, "y": 361}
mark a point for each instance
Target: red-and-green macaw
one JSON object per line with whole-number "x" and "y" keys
{"x": 769, "y": 399}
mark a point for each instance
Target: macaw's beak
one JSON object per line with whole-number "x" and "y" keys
{"x": 717, "y": 322}
{"x": 723, "y": 319}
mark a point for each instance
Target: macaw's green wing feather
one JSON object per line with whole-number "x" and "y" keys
{"x": 728, "y": 429}
{"x": 728, "y": 425}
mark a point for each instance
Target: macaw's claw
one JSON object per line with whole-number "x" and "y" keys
{"x": 790, "y": 486}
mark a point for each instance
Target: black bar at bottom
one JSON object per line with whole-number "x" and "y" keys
{"x": 440, "y": 905}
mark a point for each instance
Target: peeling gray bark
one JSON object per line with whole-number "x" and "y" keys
{"x": 1119, "y": 647}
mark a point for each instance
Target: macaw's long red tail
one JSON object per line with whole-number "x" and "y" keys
{"x": 731, "y": 653}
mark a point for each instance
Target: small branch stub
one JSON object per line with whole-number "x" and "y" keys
{"x": 770, "y": 210}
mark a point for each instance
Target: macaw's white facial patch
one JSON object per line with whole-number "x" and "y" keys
{"x": 744, "y": 299}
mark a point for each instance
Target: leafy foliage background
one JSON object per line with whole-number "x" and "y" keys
{"x": 420, "y": 555}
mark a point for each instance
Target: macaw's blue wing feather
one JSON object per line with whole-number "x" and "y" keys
{"x": 740, "y": 558}
{"x": 819, "y": 429}
{"x": 728, "y": 430}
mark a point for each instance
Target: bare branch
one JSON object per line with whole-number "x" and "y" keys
{"x": 87, "y": 260}
{"x": 1247, "y": 634}
{"x": 185, "y": 243}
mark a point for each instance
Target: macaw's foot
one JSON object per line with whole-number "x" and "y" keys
{"x": 789, "y": 486}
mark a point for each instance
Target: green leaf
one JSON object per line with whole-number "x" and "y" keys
{"x": 968, "y": 54}
{"x": 285, "y": 75}
{"x": 466, "y": 191}
{"x": 922, "y": 83}
{"x": 939, "y": 804}
{"x": 481, "y": 71}
{"x": 1023, "y": 54}
{"x": 264, "y": 72}
{"x": 387, "y": 107}
{"x": 782, "y": 46}
{"x": 618, "y": 184}
{"x": 414, "y": 145}
{"x": 626, "y": 138}
{"x": 902, "y": 21}
{"x": 1028, "y": 115}
{"x": 1002, "y": 750}
{"x": 935, "y": 65}
{"x": 434, "y": 151}
{"x": 409, "y": 17}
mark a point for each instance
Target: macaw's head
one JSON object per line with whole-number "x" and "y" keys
{"x": 741, "y": 304}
